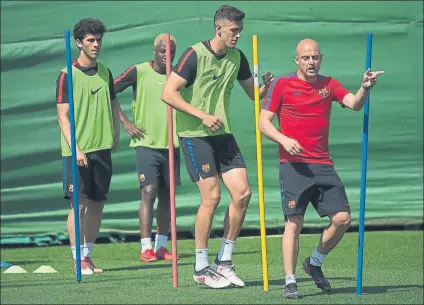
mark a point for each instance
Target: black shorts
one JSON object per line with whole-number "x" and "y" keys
{"x": 211, "y": 155}
{"x": 94, "y": 180}
{"x": 153, "y": 166}
{"x": 319, "y": 184}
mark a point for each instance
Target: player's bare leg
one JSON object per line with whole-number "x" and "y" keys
{"x": 92, "y": 223}
{"x": 86, "y": 270}
{"x": 210, "y": 195}
{"x": 290, "y": 246}
{"x": 163, "y": 220}
{"x": 330, "y": 237}
{"x": 237, "y": 184}
{"x": 145, "y": 216}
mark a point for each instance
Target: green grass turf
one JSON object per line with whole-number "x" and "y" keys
{"x": 393, "y": 274}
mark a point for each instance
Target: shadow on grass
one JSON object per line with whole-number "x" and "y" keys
{"x": 92, "y": 279}
{"x": 192, "y": 255}
{"x": 281, "y": 282}
{"x": 145, "y": 266}
{"x": 370, "y": 289}
{"x": 25, "y": 262}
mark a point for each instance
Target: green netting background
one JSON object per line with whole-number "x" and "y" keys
{"x": 33, "y": 51}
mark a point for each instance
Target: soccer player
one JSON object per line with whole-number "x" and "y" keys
{"x": 200, "y": 88}
{"x": 97, "y": 134}
{"x": 149, "y": 138}
{"x": 302, "y": 101}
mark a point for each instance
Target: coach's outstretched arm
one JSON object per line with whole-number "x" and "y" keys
{"x": 172, "y": 96}
{"x": 357, "y": 101}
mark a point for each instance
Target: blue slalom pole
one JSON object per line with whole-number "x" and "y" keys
{"x": 74, "y": 152}
{"x": 363, "y": 177}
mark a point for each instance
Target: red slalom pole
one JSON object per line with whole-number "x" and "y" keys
{"x": 171, "y": 172}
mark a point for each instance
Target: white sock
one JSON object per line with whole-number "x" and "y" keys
{"x": 317, "y": 258}
{"x": 74, "y": 252}
{"x": 160, "y": 241}
{"x": 146, "y": 243}
{"x": 226, "y": 251}
{"x": 201, "y": 259}
{"x": 87, "y": 249}
{"x": 290, "y": 279}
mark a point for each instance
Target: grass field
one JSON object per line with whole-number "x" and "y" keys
{"x": 393, "y": 274}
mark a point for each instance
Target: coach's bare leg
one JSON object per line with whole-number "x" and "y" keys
{"x": 238, "y": 186}
{"x": 290, "y": 243}
{"x": 93, "y": 220}
{"x": 145, "y": 213}
{"x": 210, "y": 195}
{"x": 163, "y": 212}
{"x": 332, "y": 235}
{"x": 71, "y": 223}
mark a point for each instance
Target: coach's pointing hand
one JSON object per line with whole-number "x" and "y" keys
{"x": 370, "y": 78}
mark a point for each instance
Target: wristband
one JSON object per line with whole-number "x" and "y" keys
{"x": 365, "y": 87}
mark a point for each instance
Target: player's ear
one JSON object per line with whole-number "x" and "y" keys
{"x": 296, "y": 60}
{"x": 79, "y": 43}
{"x": 218, "y": 29}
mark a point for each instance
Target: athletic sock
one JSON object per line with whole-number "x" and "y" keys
{"x": 88, "y": 249}
{"x": 226, "y": 250}
{"x": 317, "y": 258}
{"x": 74, "y": 252}
{"x": 146, "y": 243}
{"x": 160, "y": 241}
{"x": 201, "y": 259}
{"x": 290, "y": 279}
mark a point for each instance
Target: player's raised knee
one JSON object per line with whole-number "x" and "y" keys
{"x": 342, "y": 219}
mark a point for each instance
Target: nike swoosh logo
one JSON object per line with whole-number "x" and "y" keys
{"x": 214, "y": 77}
{"x": 162, "y": 83}
{"x": 95, "y": 91}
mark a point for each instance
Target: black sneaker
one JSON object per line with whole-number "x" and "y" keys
{"x": 316, "y": 273}
{"x": 291, "y": 292}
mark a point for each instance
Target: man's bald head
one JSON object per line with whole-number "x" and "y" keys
{"x": 308, "y": 59}
{"x": 306, "y": 45}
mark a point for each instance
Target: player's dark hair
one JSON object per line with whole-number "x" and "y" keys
{"x": 229, "y": 13}
{"x": 88, "y": 26}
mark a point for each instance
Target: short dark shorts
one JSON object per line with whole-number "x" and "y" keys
{"x": 208, "y": 156}
{"x": 94, "y": 180}
{"x": 319, "y": 184}
{"x": 153, "y": 166}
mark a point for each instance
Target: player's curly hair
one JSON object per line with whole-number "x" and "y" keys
{"x": 88, "y": 26}
{"x": 229, "y": 13}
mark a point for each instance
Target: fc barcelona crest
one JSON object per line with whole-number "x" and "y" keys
{"x": 291, "y": 204}
{"x": 142, "y": 178}
{"x": 323, "y": 92}
{"x": 206, "y": 168}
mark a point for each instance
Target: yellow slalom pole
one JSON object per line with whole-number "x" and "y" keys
{"x": 259, "y": 160}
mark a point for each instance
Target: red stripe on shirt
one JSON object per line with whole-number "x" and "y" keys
{"x": 123, "y": 74}
{"x": 180, "y": 67}
{"x": 60, "y": 95}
